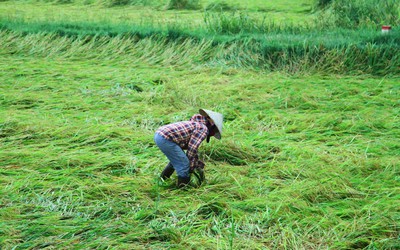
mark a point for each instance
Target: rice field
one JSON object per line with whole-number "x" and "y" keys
{"x": 309, "y": 157}
{"x": 152, "y": 12}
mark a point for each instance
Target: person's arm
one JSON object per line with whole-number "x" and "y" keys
{"x": 198, "y": 135}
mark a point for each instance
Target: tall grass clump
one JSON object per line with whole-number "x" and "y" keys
{"x": 230, "y": 23}
{"x": 219, "y": 6}
{"x": 322, "y": 3}
{"x": 240, "y": 22}
{"x": 112, "y": 3}
{"x": 116, "y": 3}
{"x": 360, "y": 13}
{"x": 63, "y": 1}
{"x": 106, "y": 3}
{"x": 183, "y": 4}
{"x": 57, "y": 1}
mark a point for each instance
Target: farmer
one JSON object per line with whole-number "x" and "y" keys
{"x": 173, "y": 138}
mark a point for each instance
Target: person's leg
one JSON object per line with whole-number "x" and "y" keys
{"x": 167, "y": 172}
{"x": 175, "y": 155}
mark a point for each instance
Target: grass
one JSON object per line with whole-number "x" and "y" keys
{"x": 308, "y": 159}
{"x": 352, "y": 51}
{"x": 306, "y": 162}
{"x": 158, "y": 15}
{"x": 360, "y": 13}
{"x": 237, "y": 39}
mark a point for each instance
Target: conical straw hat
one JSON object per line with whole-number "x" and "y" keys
{"x": 217, "y": 118}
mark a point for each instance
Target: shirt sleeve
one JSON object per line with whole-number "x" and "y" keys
{"x": 198, "y": 135}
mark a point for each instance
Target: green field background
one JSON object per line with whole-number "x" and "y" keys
{"x": 309, "y": 157}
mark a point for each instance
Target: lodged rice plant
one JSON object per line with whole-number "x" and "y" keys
{"x": 309, "y": 153}
{"x": 304, "y": 162}
{"x": 360, "y": 13}
{"x": 336, "y": 51}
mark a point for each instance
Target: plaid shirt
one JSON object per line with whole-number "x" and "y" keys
{"x": 188, "y": 135}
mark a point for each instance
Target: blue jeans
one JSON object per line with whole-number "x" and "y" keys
{"x": 175, "y": 155}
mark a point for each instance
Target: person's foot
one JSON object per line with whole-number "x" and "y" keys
{"x": 183, "y": 181}
{"x": 167, "y": 172}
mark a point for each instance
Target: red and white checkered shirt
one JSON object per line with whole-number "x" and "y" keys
{"x": 188, "y": 135}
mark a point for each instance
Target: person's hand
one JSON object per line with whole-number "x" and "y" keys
{"x": 199, "y": 165}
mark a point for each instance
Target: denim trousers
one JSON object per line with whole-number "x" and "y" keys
{"x": 175, "y": 155}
